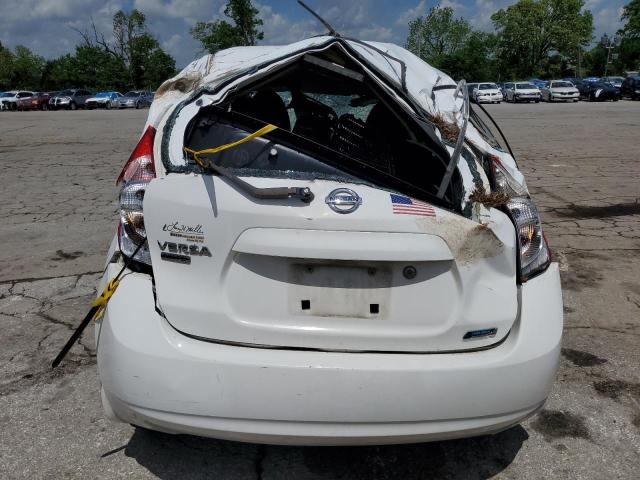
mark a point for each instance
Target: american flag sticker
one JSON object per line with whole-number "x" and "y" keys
{"x": 408, "y": 206}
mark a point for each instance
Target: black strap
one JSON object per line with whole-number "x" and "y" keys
{"x": 444, "y": 87}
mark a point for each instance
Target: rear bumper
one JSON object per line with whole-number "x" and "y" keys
{"x": 155, "y": 377}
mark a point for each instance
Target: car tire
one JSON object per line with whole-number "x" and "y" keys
{"x": 137, "y": 105}
{"x": 73, "y": 106}
{"x": 536, "y": 101}
{"x": 13, "y": 107}
{"x": 44, "y": 107}
{"x": 108, "y": 106}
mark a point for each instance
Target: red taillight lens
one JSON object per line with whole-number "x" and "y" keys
{"x": 135, "y": 176}
{"x": 140, "y": 167}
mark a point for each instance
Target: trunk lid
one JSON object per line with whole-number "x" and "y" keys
{"x": 282, "y": 273}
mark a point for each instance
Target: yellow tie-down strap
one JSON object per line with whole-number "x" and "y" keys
{"x": 259, "y": 133}
{"x": 107, "y": 293}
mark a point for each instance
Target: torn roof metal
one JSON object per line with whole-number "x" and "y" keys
{"x": 420, "y": 77}
{"x": 428, "y": 88}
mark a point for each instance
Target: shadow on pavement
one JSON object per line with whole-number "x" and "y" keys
{"x": 188, "y": 457}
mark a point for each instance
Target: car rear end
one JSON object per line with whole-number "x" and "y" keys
{"x": 314, "y": 273}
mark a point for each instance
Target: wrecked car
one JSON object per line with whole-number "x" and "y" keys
{"x": 325, "y": 245}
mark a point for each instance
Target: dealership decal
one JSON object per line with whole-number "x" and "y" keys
{"x": 192, "y": 233}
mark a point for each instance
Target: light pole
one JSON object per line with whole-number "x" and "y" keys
{"x": 613, "y": 43}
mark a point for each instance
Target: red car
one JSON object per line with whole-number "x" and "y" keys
{"x": 39, "y": 101}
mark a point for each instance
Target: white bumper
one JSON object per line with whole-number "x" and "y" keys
{"x": 157, "y": 378}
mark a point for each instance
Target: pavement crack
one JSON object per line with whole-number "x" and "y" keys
{"x": 259, "y": 461}
{"x": 34, "y": 279}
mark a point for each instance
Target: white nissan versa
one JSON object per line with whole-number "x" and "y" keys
{"x": 338, "y": 251}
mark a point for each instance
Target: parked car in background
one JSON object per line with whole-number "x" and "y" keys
{"x": 613, "y": 81}
{"x": 559, "y": 91}
{"x": 39, "y": 101}
{"x": 487, "y": 93}
{"x": 523, "y": 92}
{"x": 135, "y": 99}
{"x": 504, "y": 88}
{"x": 573, "y": 80}
{"x": 598, "y": 92}
{"x": 71, "y": 99}
{"x": 631, "y": 87}
{"x": 103, "y": 100}
{"x": 9, "y": 100}
{"x": 537, "y": 82}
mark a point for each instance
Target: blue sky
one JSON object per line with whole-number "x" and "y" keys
{"x": 46, "y": 25}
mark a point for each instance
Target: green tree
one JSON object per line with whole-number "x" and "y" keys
{"x": 133, "y": 60}
{"x": 221, "y": 34}
{"x": 450, "y": 44}
{"x": 58, "y": 73}
{"x": 6, "y": 67}
{"x": 631, "y": 16}
{"x": 630, "y": 46}
{"x": 437, "y": 35}
{"x": 27, "y": 68}
{"x": 530, "y": 30}
{"x": 96, "y": 69}
{"x": 158, "y": 66}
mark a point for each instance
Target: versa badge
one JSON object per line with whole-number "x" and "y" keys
{"x": 180, "y": 252}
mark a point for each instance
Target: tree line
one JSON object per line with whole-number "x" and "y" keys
{"x": 531, "y": 38}
{"x": 132, "y": 60}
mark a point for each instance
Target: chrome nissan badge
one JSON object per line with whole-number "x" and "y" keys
{"x": 343, "y": 200}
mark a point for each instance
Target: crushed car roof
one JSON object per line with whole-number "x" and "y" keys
{"x": 419, "y": 77}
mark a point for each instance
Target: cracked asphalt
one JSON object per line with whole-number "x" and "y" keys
{"x": 58, "y": 213}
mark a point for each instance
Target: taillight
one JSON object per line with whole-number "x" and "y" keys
{"x": 534, "y": 255}
{"x": 135, "y": 176}
{"x": 140, "y": 165}
{"x": 533, "y": 250}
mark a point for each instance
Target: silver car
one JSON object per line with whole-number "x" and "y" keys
{"x": 135, "y": 99}
{"x": 559, "y": 91}
{"x": 71, "y": 99}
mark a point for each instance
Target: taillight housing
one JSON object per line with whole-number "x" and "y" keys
{"x": 136, "y": 174}
{"x": 503, "y": 181}
{"x": 534, "y": 255}
{"x": 533, "y": 251}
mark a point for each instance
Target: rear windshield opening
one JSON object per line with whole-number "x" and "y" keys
{"x": 334, "y": 122}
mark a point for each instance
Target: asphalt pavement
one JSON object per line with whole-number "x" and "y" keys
{"x": 58, "y": 214}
